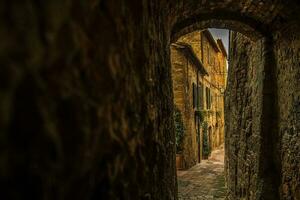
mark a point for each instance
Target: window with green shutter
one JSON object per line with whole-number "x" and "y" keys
{"x": 194, "y": 95}
{"x": 201, "y": 98}
{"x": 207, "y": 97}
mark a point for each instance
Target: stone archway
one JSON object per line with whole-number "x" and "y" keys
{"x": 251, "y": 31}
{"x": 256, "y": 43}
{"x": 260, "y": 28}
{"x": 255, "y": 16}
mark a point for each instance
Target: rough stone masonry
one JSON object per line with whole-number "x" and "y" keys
{"x": 86, "y": 97}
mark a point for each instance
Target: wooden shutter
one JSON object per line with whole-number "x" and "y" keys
{"x": 198, "y": 97}
{"x": 201, "y": 96}
{"x": 194, "y": 95}
{"x": 207, "y": 98}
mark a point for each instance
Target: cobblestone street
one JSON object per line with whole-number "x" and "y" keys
{"x": 205, "y": 181}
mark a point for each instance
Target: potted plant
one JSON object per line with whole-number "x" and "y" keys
{"x": 179, "y": 132}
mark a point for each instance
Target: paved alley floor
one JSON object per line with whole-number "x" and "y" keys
{"x": 205, "y": 181}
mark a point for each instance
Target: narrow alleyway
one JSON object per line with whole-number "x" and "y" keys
{"x": 89, "y": 109}
{"x": 204, "y": 181}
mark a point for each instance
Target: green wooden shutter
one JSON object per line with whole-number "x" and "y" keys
{"x": 198, "y": 97}
{"x": 207, "y": 97}
{"x": 201, "y": 97}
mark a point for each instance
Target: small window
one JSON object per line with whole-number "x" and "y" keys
{"x": 201, "y": 98}
{"x": 194, "y": 95}
{"x": 198, "y": 97}
{"x": 207, "y": 96}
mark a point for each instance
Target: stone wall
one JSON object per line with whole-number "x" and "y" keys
{"x": 258, "y": 126}
{"x": 214, "y": 63}
{"x": 287, "y": 73}
{"x": 193, "y": 39}
{"x": 243, "y": 113}
{"x": 184, "y": 73}
{"x": 85, "y": 101}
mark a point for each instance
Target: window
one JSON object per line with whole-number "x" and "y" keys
{"x": 198, "y": 99}
{"x": 200, "y": 96}
{"x": 194, "y": 95}
{"x": 208, "y": 98}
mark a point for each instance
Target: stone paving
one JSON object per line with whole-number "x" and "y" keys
{"x": 205, "y": 181}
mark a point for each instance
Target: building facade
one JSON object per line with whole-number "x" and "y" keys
{"x": 199, "y": 81}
